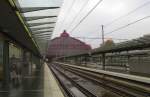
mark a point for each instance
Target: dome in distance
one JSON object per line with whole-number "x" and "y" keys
{"x": 66, "y": 46}
{"x": 64, "y": 34}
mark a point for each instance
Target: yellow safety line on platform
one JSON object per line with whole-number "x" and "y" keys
{"x": 51, "y": 88}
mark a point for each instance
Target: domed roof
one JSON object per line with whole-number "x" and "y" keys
{"x": 64, "y": 34}
{"x": 66, "y": 45}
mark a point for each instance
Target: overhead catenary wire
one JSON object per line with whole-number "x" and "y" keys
{"x": 134, "y": 10}
{"x": 86, "y": 15}
{"x": 143, "y": 5}
{"x": 122, "y": 27}
{"x": 81, "y": 9}
{"x": 68, "y": 11}
{"x": 97, "y": 38}
{"x": 94, "y": 39}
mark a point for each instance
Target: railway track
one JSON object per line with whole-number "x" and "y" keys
{"x": 68, "y": 92}
{"x": 121, "y": 86}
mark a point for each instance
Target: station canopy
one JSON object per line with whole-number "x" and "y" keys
{"x": 141, "y": 43}
{"x": 134, "y": 44}
{"x": 40, "y": 17}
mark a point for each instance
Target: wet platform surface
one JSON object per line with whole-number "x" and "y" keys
{"x": 40, "y": 84}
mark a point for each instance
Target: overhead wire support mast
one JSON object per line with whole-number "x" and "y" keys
{"x": 103, "y": 55}
{"x": 102, "y": 34}
{"x": 86, "y": 15}
{"x": 97, "y": 38}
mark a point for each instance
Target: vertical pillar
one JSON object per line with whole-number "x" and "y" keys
{"x": 103, "y": 34}
{"x": 103, "y": 61}
{"x": 111, "y": 61}
{"x": 127, "y": 65}
{"x": 6, "y": 64}
{"x": 91, "y": 59}
{"x": 64, "y": 59}
{"x": 24, "y": 60}
{"x": 100, "y": 60}
{"x": 31, "y": 63}
{"x": 85, "y": 61}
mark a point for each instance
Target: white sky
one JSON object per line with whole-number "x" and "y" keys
{"x": 104, "y": 13}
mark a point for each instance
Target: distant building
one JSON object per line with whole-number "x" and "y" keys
{"x": 66, "y": 46}
{"x": 107, "y": 44}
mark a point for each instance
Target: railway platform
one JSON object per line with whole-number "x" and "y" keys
{"x": 40, "y": 84}
{"x": 106, "y": 82}
{"x": 51, "y": 88}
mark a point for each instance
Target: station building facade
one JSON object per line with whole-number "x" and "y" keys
{"x": 66, "y": 46}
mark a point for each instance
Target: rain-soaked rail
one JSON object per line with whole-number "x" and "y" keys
{"x": 100, "y": 83}
{"x": 72, "y": 88}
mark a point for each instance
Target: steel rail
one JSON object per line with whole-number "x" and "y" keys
{"x": 122, "y": 83}
{"x": 101, "y": 82}
{"x": 82, "y": 89}
{"x": 66, "y": 91}
{"x": 141, "y": 79}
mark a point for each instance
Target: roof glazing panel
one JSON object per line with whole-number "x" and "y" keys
{"x": 46, "y": 12}
{"x": 40, "y": 3}
{"x": 40, "y": 16}
{"x": 45, "y": 25}
{"x": 43, "y": 20}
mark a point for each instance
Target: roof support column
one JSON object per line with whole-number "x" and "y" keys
{"x": 103, "y": 61}
{"x": 6, "y": 73}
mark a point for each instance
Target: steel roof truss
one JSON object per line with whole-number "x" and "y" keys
{"x": 38, "y": 17}
{"x": 31, "y": 9}
{"x": 42, "y": 28}
{"x": 37, "y": 24}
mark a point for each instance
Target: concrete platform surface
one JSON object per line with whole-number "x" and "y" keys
{"x": 51, "y": 88}
{"x": 41, "y": 83}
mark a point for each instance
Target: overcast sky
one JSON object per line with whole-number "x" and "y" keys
{"x": 105, "y": 13}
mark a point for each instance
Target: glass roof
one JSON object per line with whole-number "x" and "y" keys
{"x": 40, "y": 3}
{"x": 43, "y": 20}
{"x": 46, "y": 12}
{"x": 44, "y": 25}
{"x": 138, "y": 43}
{"x": 40, "y": 16}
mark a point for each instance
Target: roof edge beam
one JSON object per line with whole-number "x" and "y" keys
{"x": 38, "y": 17}
{"x": 38, "y": 24}
{"x": 42, "y": 32}
{"x": 38, "y": 29}
{"x": 32, "y": 9}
